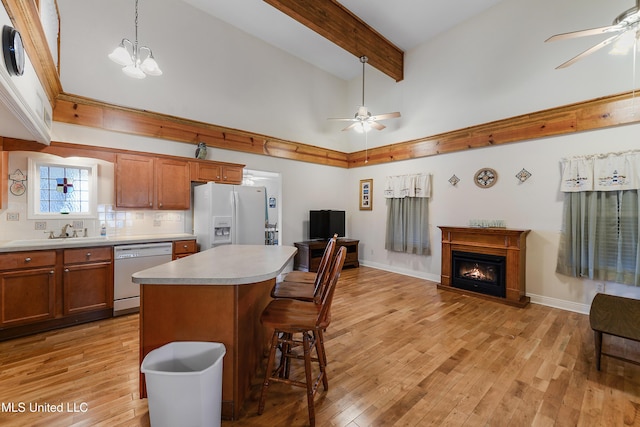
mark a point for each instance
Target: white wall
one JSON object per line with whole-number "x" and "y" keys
{"x": 213, "y": 72}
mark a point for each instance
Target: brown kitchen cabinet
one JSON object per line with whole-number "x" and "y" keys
{"x": 87, "y": 279}
{"x": 27, "y": 287}
{"x": 146, "y": 182}
{"x": 184, "y": 248}
{"x": 222, "y": 173}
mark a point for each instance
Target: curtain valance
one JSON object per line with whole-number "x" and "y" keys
{"x": 401, "y": 186}
{"x": 607, "y": 172}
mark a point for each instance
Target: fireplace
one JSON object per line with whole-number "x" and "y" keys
{"x": 478, "y": 273}
{"x": 486, "y": 262}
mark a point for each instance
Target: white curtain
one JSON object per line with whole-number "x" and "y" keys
{"x": 407, "y": 213}
{"x": 600, "y": 231}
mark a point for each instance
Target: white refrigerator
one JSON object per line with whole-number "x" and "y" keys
{"x": 228, "y": 214}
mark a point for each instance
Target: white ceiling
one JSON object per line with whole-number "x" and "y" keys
{"x": 406, "y": 23}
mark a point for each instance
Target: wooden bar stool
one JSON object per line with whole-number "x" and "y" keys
{"x": 300, "y": 323}
{"x": 305, "y": 286}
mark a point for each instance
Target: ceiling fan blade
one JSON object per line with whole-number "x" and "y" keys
{"x": 589, "y": 51}
{"x": 583, "y": 33}
{"x": 342, "y": 119}
{"x": 386, "y": 116}
{"x": 351, "y": 126}
{"x": 376, "y": 125}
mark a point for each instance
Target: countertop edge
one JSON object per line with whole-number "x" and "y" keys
{"x": 212, "y": 281}
{"x": 77, "y": 242}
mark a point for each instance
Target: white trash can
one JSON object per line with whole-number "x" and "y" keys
{"x": 184, "y": 384}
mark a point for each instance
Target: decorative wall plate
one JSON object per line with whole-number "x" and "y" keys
{"x": 485, "y": 177}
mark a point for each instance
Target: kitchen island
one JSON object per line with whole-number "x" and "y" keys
{"x": 217, "y": 295}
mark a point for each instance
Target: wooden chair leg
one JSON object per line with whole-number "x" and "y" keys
{"x": 322, "y": 358}
{"x": 597, "y": 338}
{"x": 267, "y": 374}
{"x": 307, "y": 370}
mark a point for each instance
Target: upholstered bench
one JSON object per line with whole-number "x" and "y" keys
{"x": 617, "y": 316}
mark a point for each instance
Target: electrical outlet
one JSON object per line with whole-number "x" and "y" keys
{"x": 13, "y": 216}
{"x": 41, "y": 225}
{"x": 78, "y": 225}
{"x": 600, "y": 288}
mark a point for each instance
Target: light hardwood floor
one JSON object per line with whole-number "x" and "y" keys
{"x": 401, "y": 352}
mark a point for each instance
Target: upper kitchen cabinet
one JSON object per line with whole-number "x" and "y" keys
{"x": 145, "y": 182}
{"x": 222, "y": 173}
{"x": 134, "y": 181}
{"x": 173, "y": 185}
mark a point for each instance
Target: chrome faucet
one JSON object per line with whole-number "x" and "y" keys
{"x": 64, "y": 233}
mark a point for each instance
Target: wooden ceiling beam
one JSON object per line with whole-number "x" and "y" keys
{"x": 337, "y": 24}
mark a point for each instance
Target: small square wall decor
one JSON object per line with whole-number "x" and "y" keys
{"x": 523, "y": 175}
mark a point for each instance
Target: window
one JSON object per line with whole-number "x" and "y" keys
{"x": 62, "y": 187}
{"x": 407, "y": 213}
{"x": 600, "y": 236}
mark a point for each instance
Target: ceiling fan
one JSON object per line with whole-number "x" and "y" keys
{"x": 363, "y": 121}
{"x": 628, "y": 20}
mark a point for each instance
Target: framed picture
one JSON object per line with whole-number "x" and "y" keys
{"x": 366, "y": 194}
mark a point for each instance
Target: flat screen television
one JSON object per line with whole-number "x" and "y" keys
{"x": 324, "y": 224}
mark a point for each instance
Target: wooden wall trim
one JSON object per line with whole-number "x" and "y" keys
{"x": 614, "y": 110}
{"x": 86, "y": 112}
{"x": 600, "y": 113}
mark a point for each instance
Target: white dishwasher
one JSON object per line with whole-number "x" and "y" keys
{"x": 129, "y": 259}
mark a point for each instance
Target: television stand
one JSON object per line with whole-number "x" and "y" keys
{"x": 310, "y": 252}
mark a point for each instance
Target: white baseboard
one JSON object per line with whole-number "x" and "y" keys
{"x": 535, "y": 299}
{"x": 403, "y": 271}
{"x": 559, "y": 303}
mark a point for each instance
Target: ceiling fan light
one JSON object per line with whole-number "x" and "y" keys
{"x": 121, "y": 56}
{"x": 133, "y": 71}
{"x": 363, "y": 127}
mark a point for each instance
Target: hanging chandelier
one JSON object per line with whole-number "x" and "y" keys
{"x": 137, "y": 62}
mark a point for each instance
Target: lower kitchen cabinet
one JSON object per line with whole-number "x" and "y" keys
{"x": 87, "y": 279}
{"x": 27, "y": 287}
{"x": 183, "y": 248}
{"x": 48, "y": 289}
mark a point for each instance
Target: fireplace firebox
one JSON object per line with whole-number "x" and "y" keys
{"x": 481, "y": 273}
{"x": 492, "y": 242}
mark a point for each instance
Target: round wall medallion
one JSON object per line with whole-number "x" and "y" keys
{"x": 13, "y": 51}
{"x": 485, "y": 177}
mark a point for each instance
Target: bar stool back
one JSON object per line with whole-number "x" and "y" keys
{"x": 308, "y": 284}
{"x": 291, "y": 318}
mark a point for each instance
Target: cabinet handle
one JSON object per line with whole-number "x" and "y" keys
{"x": 27, "y": 259}
{"x": 66, "y": 270}
{"x": 51, "y": 272}
{"x": 160, "y": 204}
{"x": 185, "y": 246}
{"x": 88, "y": 254}
{"x": 150, "y": 203}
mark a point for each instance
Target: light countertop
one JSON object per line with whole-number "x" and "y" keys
{"x": 80, "y": 242}
{"x": 222, "y": 265}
